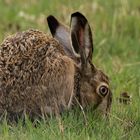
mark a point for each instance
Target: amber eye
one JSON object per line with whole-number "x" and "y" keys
{"x": 103, "y": 90}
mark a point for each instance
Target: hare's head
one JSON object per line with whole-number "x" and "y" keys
{"x": 93, "y": 89}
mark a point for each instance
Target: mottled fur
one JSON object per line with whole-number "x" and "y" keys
{"x": 33, "y": 68}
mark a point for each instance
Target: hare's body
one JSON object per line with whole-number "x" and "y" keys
{"x": 33, "y": 68}
{"x": 40, "y": 75}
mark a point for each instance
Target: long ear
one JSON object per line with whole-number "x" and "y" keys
{"x": 81, "y": 37}
{"x": 61, "y": 33}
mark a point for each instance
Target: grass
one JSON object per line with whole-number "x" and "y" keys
{"x": 116, "y": 29}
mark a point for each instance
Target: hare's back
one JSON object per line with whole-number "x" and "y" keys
{"x": 23, "y": 58}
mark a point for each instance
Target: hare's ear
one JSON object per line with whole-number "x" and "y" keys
{"x": 61, "y": 33}
{"x": 81, "y": 37}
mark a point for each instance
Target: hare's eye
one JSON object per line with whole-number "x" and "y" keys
{"x": 103, "y": 90}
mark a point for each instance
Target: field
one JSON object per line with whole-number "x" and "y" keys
{"x": 116, "y": 32}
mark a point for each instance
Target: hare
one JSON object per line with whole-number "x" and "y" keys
{"x": 40, "y": 75}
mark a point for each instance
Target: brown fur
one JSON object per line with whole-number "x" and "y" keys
{"x": 35, "y": 74}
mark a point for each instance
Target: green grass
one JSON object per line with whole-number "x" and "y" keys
{"x": 116, "y": 29}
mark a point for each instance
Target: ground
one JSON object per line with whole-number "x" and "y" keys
{"x": 116, "y": 35}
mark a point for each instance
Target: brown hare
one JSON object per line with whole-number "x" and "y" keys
{"x": 40, "y": 75}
